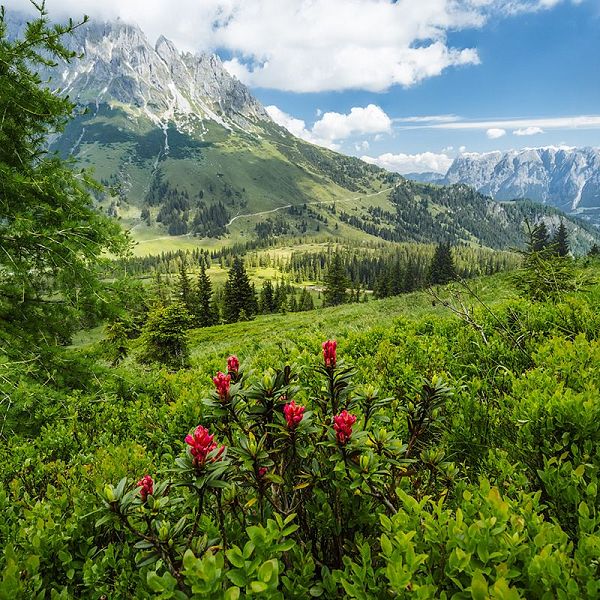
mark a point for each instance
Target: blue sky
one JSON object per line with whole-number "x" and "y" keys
{"x": 534, "y": 66}
{"x": 359, "y": 76}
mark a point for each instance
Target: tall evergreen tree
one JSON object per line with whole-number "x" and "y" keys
{"x": 560, "y": 241}
{"x": 442, "y": 269}
{"x": 540, "y": 238}
{"x": 410, "y": 277}
{"x": 267, "y": 298}
{"x": 184, "y": 289}
{"x": 336, "y": 282}
{"x": 52, "y": 236}
{"x": 206, "y": 310}
{"x": 306, "y": 301}
{"x": 239, "y": 301}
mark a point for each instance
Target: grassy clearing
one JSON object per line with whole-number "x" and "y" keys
{"x": 281, "y": 330}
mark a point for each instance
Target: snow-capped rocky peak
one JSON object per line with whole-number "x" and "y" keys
{"x": 119, "y": 65}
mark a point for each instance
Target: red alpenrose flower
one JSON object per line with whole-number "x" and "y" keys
{"x": 222, "y": 383}
{"x": 342, "y": 424}
{"x": 201, "y": 443}
{"x": 262, "y": 472}
{"x": 147, "y": 487}
{"x": 233, "y": 364}
{"x": 293, "y": 414}
{"x": 329, "y": 353}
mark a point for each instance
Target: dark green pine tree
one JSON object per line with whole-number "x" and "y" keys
{"x": 396, "y": 279}
{"x": 206, "y": 310}
{"x": 442, "y": 269}
{"x": 306, "y": 301}
{"x": 52, "y": 235}
{"x": 184, "y": 290}
{"x": 594, "y": 251}
{"x": 539, "y": 238}
{"x": 267, "y": 298}
{"x": 336, "y": 283}
{"x": 239, "y": 301}
{"x": 410, "y": 277}
{"x": 293, "y": 304}
{"x": 280, "y": 297}
{"x": 560, "y": 241}
{"x": 381, "y": 288}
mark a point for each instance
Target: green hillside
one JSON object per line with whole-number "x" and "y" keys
{"x": 503, "y": 484}
{"x": 214, "y": 187}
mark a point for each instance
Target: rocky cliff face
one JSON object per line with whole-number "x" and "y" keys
{"x": 568, "y": 178}
{"x": 120, "y": 66}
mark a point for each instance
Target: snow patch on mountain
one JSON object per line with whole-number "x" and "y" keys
{"x": 119, "y": 66}
{"x": 563, "y": 176}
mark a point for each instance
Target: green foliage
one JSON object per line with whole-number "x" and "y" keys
{"x": 239, "y": 298}
{"x": 546, "y": 276}
{"x": 560, "y": 241}
{"x": 206, "y": 312}
{"x": 336, "y": 282}
{"x": 164, "y": 337}
{"x": 52, "y": 236}
{"x": 471, "y": 470}
{"x": 442, "y": 269}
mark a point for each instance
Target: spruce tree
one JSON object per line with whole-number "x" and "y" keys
{"x": 442, "y": 269}
{"x": 239, "y": 301}
{"x": 52, "y": 235}
{"x": 560, "y": 241}
{"x": 267, "y": 298}
{"x": 184, "y": 289}
{"x": 206, "y": 310}
{"x": 336, "y": 283}
{"x": 410, "y": 277}
{"x": 539, "y": 239}
{"x": 306, "y": 301}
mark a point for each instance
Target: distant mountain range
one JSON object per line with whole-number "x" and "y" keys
{"x": 566, "y": 178}
{"x": 186, "y": 150}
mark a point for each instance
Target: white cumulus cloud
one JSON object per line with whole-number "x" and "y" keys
{"x": 495, "y": 132}
{"x": 333, "y": 127}
{"x": 528, "y": 131}
{"x": 337, "y": 126}
{"x": 313, "y": 45}
{"x": 411, "y": 163}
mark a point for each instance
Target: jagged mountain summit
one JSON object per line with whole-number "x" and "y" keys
{"x": 184, "y": 149}
{"x": 119, "y": 65}
{"x": 567, "y": 178}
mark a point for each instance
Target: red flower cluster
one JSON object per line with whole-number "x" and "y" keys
{"x": 293, "y": 414}
{"x": 201, "y": 443}
{"x": 233, "y": 364}
{"x": 147, "y": 485}
{"x": 222, "y": 383}
{"x": 262, "y": 472}
{"x": 342, "y": 424}
{"x": 329, "y": 353}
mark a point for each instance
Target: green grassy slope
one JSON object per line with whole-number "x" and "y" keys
{"x": 267, "y": 184}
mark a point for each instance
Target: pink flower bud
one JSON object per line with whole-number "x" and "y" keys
{"x": 293, "y": 414}
{"x": 222, "y": 383}
{"x": 329, "y": 353}
{"x": 147, "y": 487}
{"x": 233, "y": 364}
{"x": 342, "y": 424}
{"x": 201, "y": 444}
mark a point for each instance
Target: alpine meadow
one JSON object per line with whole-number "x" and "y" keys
{"x": 289, "y": 305}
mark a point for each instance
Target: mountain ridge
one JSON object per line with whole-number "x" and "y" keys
{"x": 567, "y": 178}
{"x": 186, "y": 150}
